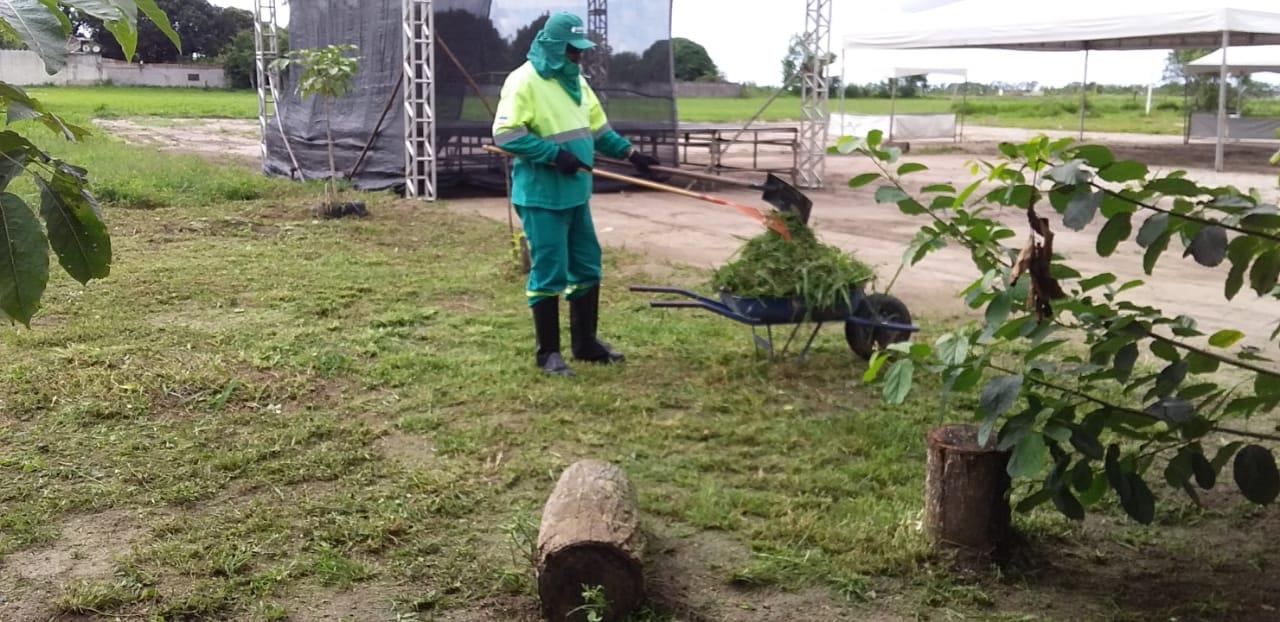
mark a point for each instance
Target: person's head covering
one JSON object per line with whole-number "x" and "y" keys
{"x": 548, "y": 51}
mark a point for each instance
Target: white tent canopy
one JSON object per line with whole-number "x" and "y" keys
{"x": 1085, "y": 25}
{"x": 1078, "y": 25}
{"x": 1260, "y": 59}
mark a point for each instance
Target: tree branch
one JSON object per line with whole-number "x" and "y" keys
{"x": 1215, "y": 356}
{"x": 1188, "y": 217}
{"x": 1126, "y": 409}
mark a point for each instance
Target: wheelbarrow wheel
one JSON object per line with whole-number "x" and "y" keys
{"x": 865, "y": 340}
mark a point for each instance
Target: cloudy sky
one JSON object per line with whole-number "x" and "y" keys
{"x": 747, "y": 39}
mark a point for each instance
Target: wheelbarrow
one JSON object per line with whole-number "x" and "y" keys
{"x": 871, "y": 322}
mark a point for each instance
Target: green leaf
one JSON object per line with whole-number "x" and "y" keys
{"x": 1034, "y": 501}
{"x": 24, "y": 259}
{"x": 873, "y": 368}
{"x": 1256, "y": 474}
{"x": 1139, "y": 503}
{"x": 1265, "y": 272}
{"x": 1096, "y": 156}
{"x": 157, "y": 16}
{"x": 76, "y": 232}
{"x": 939, "y": 188}
{"x": 998, "y": 310}
{"x": 1069, "y": 173}
{"x": 1240, "y": 253}
{"x": 1174, "y": 412}
{"x": 1154, "y": 252}
{"x": 1094, "y": 282}
{"x": 911, "y": 167}
{"x": 890, "y": 194}
{"x": 1225, "y": 454}
{"x": 1081, "y": 209}
{"x": 1028, "y": 457}
{"x": 1082, "y": 476}
{"x": 1201, "y": 364}
{"x": 1086, "y": 443}
{"x": 999, "y": 395}
{"x": 953, "y": 349}
{"x": 1209, "y": 247}
{"x": 1117, "y": 230}
{"x": 1174, "y": 186}
{"x": 1014, "y": 429}
{"x": 1152, "y": 229}
{"x": 864, "y": 179}
{"x": 1124, "y": 362}
{"x": 1123, "y": 171}
{"x": 874, "y": 138}
{"x": 1225, "y": 338}
{"x": 1165, "y": 350}
{"x": 1170, "y": 378}
{"x": 1178, "y": 471}
{"x": 897, "y": 383}
{"x": 1042, "y": 348}
{"x": 1067, "y": 503}
{"x": 1096, "y": 490}
{"x": 1206, "y": 475}
{"x": 40, "y": 29}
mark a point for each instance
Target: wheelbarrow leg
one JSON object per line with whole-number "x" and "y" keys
{"x": 804, "y": 354}
{"x": 786, "y": 348}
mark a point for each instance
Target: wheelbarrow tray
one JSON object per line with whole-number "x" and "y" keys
{"x": 788, "y": 310}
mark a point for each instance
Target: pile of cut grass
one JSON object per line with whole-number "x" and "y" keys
{"x": 802, "y": 268}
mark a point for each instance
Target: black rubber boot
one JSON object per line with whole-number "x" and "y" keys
{"x": 546, "y": 328}
{"x": 583, "y": 320}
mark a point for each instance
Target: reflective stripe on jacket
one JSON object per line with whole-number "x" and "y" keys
{"x": 536, "y": 118}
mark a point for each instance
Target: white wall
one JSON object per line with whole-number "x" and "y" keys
{"x": 24, "y": 68}
{"x": 175, "y": 75}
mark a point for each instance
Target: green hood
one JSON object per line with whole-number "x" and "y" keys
{"x": 548, "y": 52}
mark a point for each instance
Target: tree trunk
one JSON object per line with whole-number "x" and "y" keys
{"x": 590, "y": 536}
{"x": 331, "y": 190}
{"x": 966, "y": 497}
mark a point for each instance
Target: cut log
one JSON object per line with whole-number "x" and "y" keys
{"x": 966, "y": 497}
{"x": 590, "y": 536}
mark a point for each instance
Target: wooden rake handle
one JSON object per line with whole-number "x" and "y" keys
{"x": 756, "y": 214}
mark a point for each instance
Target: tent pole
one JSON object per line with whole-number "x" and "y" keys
{"x": 1084, "y": 91}
{"x": 1219, "y": 153}
{"x": 893, "y": 103}
{"x": 964, "y": 103}
{"x": 844, "y": 54}
{"x": 1186, "y": 110}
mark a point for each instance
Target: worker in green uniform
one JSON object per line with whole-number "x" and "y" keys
{"x": 552, "y": 121}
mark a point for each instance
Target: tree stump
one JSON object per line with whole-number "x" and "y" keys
{"x": 966, "y": 497}
{"x": 590, "y": 536}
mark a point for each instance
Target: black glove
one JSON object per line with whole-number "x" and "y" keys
{"x": 568, "y": 163}
{"x": 642, "y": 161}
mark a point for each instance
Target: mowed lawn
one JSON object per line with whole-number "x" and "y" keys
{"x": 264, "y": 416}
{"x": 1109, "y": 113}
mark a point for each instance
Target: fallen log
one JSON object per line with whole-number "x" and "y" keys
{"x": 590, "y": 537}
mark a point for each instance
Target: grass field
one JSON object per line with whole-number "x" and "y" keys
{"x": 261, "y": 416}
{"x": 1108, "y": 113}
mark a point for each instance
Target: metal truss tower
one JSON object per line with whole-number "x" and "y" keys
{"x": 266, "y": 49}
{"x": 419, "y": 99}
{"x": 598, "y": 31}
{"x": 815, "y": 90}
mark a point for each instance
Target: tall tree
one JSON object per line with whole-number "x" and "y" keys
{"x": 693, "y": 63}
{"x": 206, "y": 30}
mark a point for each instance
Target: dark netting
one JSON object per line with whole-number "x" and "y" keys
{"x": 489, "y": 38}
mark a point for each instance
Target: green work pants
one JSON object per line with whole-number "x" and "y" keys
{"x": 564, "y": 251}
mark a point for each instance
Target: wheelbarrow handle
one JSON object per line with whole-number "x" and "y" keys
{"x": 679, "y": 172}
{"x": 758, "y": 215}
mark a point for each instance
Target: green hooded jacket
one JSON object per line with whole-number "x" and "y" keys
{"x": 546, "y": 105}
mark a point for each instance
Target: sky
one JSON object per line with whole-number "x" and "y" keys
{"x": 748, "y": 38}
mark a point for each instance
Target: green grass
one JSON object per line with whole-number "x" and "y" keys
{"x": 116, "y": 101}
{"x": 1108, "y": 113}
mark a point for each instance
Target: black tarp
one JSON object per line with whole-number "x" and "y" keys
{"x": 489, "y": 38}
